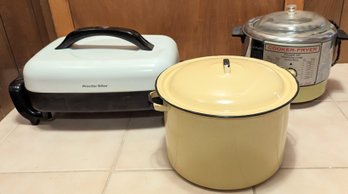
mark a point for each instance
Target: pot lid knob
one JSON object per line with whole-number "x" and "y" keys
{"x": 291, "y": 8}
{"x": 227, "y": 66}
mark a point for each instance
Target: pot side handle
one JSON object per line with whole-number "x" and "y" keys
{"x": 341, "y": 35}
{"x": 238, "y": 32}
{"x": 123, "y": 33}
{"x": 152, "y": 97}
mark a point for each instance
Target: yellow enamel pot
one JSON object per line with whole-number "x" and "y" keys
{"x": 225, "y": 119}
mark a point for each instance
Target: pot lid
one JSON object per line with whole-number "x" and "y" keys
{"x": 226, "y": 86}
{"x": 292, "y": 23}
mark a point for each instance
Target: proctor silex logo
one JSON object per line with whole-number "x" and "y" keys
{"x": 94, "y": 85}
{"x": 295, "y": 50}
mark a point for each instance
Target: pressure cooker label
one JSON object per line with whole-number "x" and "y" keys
{"x": 295, "y": 50}
{"x": 305, "y": 59}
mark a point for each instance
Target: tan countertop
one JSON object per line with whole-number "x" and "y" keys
{"x": 125, "y": 153}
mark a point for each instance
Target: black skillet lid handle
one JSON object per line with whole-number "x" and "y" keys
{"x": 123, "y": 33}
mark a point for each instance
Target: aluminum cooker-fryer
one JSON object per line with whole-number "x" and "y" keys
{"x": 302, "y": 41}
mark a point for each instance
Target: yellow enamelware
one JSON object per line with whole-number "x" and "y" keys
{"x": 225, "y": 119}
{"x": 251, "y": 87}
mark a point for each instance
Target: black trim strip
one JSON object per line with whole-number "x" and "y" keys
{"x": 90, "y": 102}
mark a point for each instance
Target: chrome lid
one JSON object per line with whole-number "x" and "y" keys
{"x": 291, "y": 26}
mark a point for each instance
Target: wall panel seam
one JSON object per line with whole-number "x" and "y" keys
{"x": 8, "y": 44}
{"x": 341, "y": 14}
{"x": 71, "y": 15}
{"x": 37, "y": 24}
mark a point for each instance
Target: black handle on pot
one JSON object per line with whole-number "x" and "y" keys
{"x": 238, "y": 32}
{"x": 124, "y": 33}
{"x": 341, "y": 35}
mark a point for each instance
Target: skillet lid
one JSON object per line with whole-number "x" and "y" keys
{"x": 100, "y": 60}
{"x": 208, "y": 86}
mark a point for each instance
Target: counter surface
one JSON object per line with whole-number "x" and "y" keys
{"x": 125, "y": 152}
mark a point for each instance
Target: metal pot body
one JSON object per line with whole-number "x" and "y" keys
{"x": 224, "y": 153}
{"x": 303, "y": 41}
{"x": 311, "y": 61}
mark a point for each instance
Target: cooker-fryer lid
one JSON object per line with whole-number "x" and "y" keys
{"x": 226, "y": 86}
{"x": 290, "y": 21}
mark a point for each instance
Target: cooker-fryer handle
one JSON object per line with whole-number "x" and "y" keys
{"x": 341, "y": 35}
{"x": 153, "y": 96}
{"x": 238, "y": 32}
{"x": 124, "y": 33}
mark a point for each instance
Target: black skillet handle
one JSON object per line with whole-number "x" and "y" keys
{"x": 238, "y": 32}
{"x": 20, "y": 99}
{"x": 123, "y": 33}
